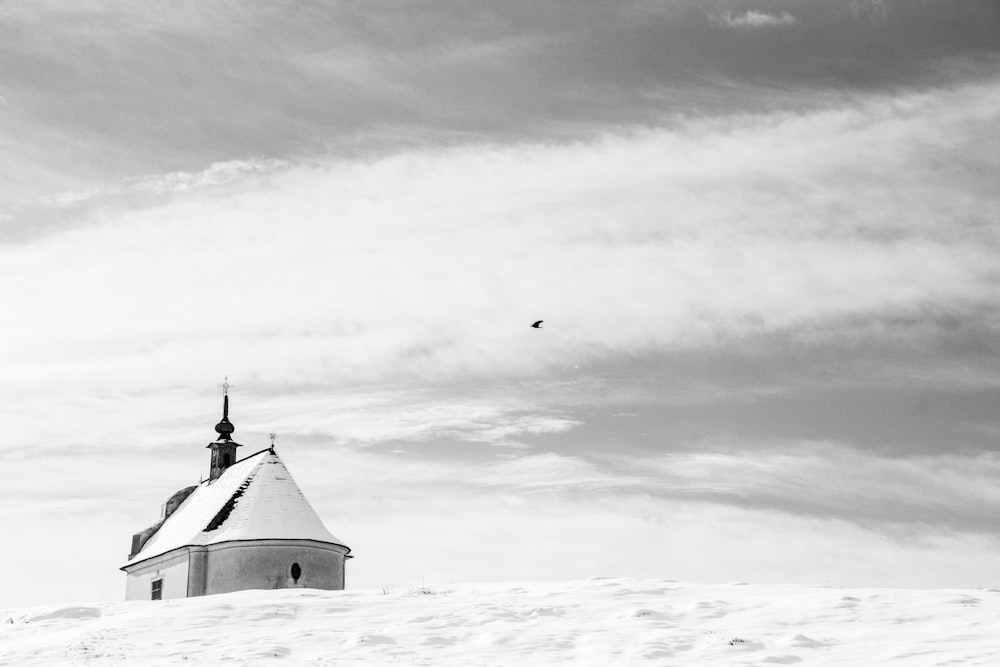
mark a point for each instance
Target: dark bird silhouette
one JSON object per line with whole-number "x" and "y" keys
{"x": 538, "y": 324}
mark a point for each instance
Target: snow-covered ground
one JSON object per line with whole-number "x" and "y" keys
{"x": 594, "y": 622}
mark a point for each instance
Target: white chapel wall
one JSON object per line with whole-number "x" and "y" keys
{"x": 173, "y": 572}
{"x": 266, "y": 564}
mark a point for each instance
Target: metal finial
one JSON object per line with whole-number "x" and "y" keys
{"x": 225, "y": 386}
{"x": 273, "y": 436}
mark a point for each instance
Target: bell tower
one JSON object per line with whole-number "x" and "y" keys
{"x": 223, "y": 449}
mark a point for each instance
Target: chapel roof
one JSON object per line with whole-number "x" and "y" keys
{"x": 255, "y": 498}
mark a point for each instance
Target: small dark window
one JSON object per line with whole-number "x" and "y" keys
{"x": 226, "y": 460}
{"x": 157, "y": 590}
{"x": 296, "y": 572}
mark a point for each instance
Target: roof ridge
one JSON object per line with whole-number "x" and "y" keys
{"x": 250, "y": 456}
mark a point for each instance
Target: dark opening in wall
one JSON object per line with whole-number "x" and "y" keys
{"x": 296, "y": 572}
{"x": 156, "y": 591}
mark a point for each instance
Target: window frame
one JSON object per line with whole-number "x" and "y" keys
{"x": 156, "y": 589}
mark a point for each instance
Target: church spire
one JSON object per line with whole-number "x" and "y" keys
{"x": 223, "y": 449}
{"x": 225, "y": 427}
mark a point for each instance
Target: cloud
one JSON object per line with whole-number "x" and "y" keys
{"x": 825, "y": 503}
{"x": 828, "y": 480}
{"x": 215, "y": 175}
{"x": 874, "y": 11}
{"x": 192, "y": 87}
{"x": 560, "y": 504}
{"x": 753, "y": 20}
{"x": 428, "y": 264}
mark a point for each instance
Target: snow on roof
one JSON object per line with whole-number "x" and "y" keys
{"x": 255, "y": 498}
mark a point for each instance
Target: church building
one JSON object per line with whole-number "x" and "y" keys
{"x": 247, "y": 526}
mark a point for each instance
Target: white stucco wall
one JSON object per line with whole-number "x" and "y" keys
{"x": 237, "y": 566}
{"x": 173, "y": 571}
{"x": 265, "y": 564}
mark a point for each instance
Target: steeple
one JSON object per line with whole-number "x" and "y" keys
{"x": 225, "y": 427}
{"x": 223, "y": 449}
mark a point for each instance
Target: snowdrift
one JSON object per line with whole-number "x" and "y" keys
{"x": 594, "y": 622}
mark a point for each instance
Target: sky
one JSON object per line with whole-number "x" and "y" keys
{"x": 762, "y": 237}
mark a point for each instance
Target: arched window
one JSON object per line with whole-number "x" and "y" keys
{"x": 296, "y": 572}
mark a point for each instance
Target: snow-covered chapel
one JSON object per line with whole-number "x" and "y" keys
{"x": 247, "y": 526}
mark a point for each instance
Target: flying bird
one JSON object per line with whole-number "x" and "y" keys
{"x": 538, "y": 324}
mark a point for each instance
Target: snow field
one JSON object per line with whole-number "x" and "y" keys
{"x": 594, "y": 622}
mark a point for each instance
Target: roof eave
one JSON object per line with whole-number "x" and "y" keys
{"x": 126, "y": 566}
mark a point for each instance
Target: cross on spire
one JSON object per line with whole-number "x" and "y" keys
{"x": 273, "y": 436}
{"x": 225, "y": 386}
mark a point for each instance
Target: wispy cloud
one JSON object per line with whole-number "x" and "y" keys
{"x": 169, "y": 92}
{"x": 179, "y": 182}
{"x": 752, "y": 20}
{"x": 945, "y": 491}
{"x": 561, "y": 504}
{"x": 875, "y": 11}
{"x": 702, "y": 235}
